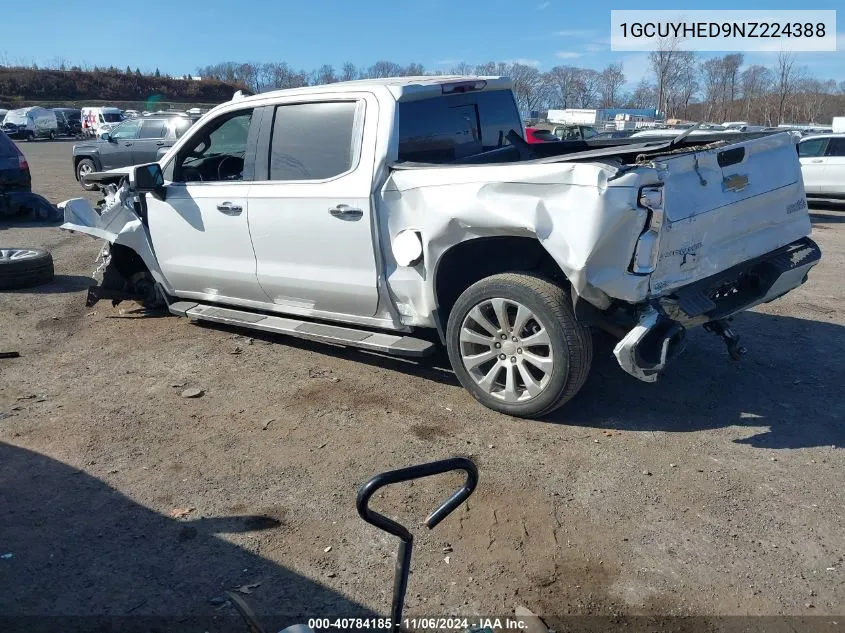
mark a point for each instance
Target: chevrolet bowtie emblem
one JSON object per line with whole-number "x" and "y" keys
{"x": 737, "y": 182}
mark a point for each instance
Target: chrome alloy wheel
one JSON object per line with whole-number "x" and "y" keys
{"x": 17, "y": 254}
{"x": 506, "y": 350}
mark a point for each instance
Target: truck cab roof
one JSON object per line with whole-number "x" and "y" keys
{"x": 402, "y": 88}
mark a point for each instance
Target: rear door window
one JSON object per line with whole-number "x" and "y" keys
{"x": 126, "y": 130}
{"x": 451, "y": 127}
{"x": 315, "y": 141}
{"x": 155, "y": 128}
{"x": 836, "y": 147}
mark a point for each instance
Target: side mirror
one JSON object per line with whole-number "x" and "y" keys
{"x": 149, "y": 179}
{"x": 106, "y": 136}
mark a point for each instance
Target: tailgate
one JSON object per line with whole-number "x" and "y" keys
{"x": 727, "y": 205}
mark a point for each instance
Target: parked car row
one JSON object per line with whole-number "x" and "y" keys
{"x": 36, "y": 122}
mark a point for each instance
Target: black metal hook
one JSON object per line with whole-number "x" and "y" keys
{"x": 403, "y": 559}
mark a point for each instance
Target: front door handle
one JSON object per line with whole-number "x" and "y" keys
{"x": 160, "y": 143}
{"x": 229, "y": 209}
{"x": 817, "y": 160}
{"x": 345, "y": 212}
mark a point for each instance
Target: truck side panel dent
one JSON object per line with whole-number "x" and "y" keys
{"x": 117, "y": 224}
{"x": 584, "y": 215}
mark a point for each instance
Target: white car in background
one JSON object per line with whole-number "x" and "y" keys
{"x": 822, "y": 160}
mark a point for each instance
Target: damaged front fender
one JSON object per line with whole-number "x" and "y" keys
{"x": 117, "y": 223}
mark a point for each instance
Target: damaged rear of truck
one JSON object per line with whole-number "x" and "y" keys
{"x": 651, "y": 241}
{"x": 511, "y": 253}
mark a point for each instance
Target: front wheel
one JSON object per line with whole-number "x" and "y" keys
{"x": 83, "y": 168}
{"x": 515, "y": 345}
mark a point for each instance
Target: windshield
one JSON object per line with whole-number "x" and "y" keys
{"x": 18, "y": 118}
{"x": 112, "y": 117}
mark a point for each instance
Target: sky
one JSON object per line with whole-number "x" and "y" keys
{"x": 179, "y": 38}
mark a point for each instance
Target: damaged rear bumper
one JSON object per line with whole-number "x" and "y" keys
{"x": 660, "y": 333}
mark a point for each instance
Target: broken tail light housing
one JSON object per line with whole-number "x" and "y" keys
{"x": 460, "y": 87}
{"x": 644, "y": 261}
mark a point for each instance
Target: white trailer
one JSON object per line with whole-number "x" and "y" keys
{"x": 576, "y": 116}
{"x": 838, "y": 125}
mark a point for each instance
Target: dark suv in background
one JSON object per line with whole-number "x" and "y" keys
{"x": 69, "y": 121}
{"x": 133, "y": 142}
{"x": 14, "y": 170}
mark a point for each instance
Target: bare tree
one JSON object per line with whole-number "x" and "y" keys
{"x": 414, "y": 70}
{"x": 663, "y": 64}
{"x": 756, "y": 82}
{"x": 645, "y": 95}
{"x": 561, "y": 81}
{"x": 384, "y": 69}
{"x": 528, "y": 86}
{"x": 711, "y": 71}
{"x": 784, "y": 81}
{"x": 586, "y": 88}
{"x": 685, "y": 85}
{"x": 461, "y": 68}
{"x": 348, "y": 73}
{"x": 611, "y": 81}
{"x": 325, "y": 74}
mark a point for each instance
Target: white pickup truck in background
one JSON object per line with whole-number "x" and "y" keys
{"x": 371, "y": 213}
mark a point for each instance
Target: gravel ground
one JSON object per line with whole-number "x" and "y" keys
{"x": 717, "y": 491}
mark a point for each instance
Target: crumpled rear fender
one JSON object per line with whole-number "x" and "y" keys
{"x": 117, "y": 224}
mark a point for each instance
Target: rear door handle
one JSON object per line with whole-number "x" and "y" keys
{"x": 817, "y": 160}
{"x": 345, "y": 212}
{"x": 160, "y": 143}
{"x": 229, "y": 209}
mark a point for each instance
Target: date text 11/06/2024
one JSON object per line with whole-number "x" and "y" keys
{"x": 469, "y": 625}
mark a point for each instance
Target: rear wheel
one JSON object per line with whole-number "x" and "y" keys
{"x": 24, "y": 267}
{"x": 83, "y": 168}
{"x": 515, "y": 345}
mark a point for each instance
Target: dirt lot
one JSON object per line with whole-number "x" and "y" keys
{"x": 717, "y": 491}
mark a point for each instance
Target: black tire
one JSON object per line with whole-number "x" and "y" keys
{"x": 34, "y": 269}
{"x": 52, "y": 135}
{"x": 570, "y": 342}
{"x": 89, "y": 164}
{"x": 30, "y": 137}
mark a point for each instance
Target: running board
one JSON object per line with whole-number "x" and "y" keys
{"x": 321, "y": 332}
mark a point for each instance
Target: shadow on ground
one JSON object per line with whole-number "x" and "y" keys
{"x": 77, "y": 555}
{"x": 61, "y": 284}
{"x": 790, "y": 381}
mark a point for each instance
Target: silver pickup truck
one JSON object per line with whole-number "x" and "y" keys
{"x": 399, "y": 214}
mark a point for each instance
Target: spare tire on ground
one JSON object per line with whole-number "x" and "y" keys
{"x": 24, "y": 267}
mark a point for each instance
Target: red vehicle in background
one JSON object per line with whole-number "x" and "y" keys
{"x": 537, "y": 135}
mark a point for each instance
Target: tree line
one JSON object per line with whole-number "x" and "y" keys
{"x": 679, "y": 84}
{"x": 27, "y": 84}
